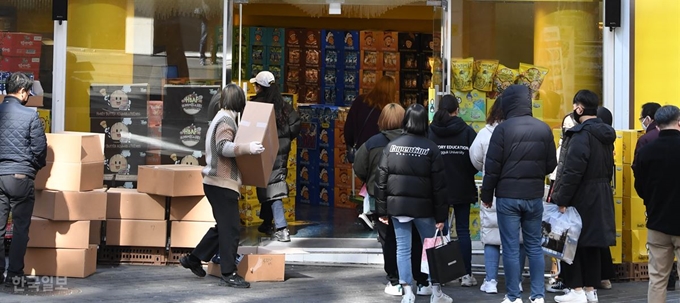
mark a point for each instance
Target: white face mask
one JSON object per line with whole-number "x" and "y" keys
{"x": 644, "y": 126}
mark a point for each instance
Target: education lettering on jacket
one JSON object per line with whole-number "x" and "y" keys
{"x": 409, "y": 151}
{"x": 453, "y": 149}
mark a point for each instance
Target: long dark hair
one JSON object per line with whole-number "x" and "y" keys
{"x": 415, "y": 120}
{"x": 272, "y": 95}
{"x": 496, "y": 113}
{"x": 447, "y": 105}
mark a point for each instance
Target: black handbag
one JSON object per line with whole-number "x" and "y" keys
{"x": 445, "y": 261}
{"x": 351, "y": 150}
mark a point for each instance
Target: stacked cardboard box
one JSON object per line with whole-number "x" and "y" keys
{"x": 190, "y": 218}
{"x": 68, "y": 206}
{"x": 410, "y": 61}
{"x": 303, "y": 64}
{"x": 633, "y": 211}
{"x": 332, "y": 67}
{"x": 21, "y": 53}
{"x": 185, "y": 123}
{"x": 267, "y": 47}
{"x": 135, "y": 219}
{"x": 120, "y": 112}
{"x": 308, "y": 156}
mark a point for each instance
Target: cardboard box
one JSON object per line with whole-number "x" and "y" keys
{"x": 59, "y": 234}
{"x": 249, "y": 212}
{"x": 342, "y": 198}
{"x": 45, "y": 117}
{"x": 618, "y": 212}
{"x": 257, "y": 124}
{"x": 70, "y": 205}
{"x": 71, "y": 263}
{"x": 629, "y": 182}
{"x": 75, "y": 147}
{"x": 119, "y": 100}
{"x": 618, "y": 148}
{"x": 171, "y": 180}
{"x": 71, "y": 176}
{"x": 21, "y": 64}
{"x": 20, "y": 40}
{"x": 634, "y": 214}
{"x": 617, "y": 251}
{"x": 191, "y": 209}
{"x": 146, "y": 233}
{"x": 289, "y": 209}
{"x": 248, "y": 192}
{"x": 618, "y": 181}
{"x": 630, "y": 138}
{"x": 634, "y": 246}
{"x": 10, "y": 51}
{"x": 96, "y": 232}
{"x": 125, "y": 203}
{"x": 257, "y": 268}
{"x": 187, "y": 234}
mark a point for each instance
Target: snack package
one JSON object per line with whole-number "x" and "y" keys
{"x": 485, "y": 70}
{"x": 531, "y": 76}
{"x": 462, "y": 74}
{"x": 504, "y": 78}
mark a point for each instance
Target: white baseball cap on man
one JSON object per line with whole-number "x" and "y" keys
{"x": 263, "y": 78}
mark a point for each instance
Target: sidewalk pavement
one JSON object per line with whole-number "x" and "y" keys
{"x": 304, "y": 283}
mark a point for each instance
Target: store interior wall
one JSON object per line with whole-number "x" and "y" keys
{"x": 657, "y": 54}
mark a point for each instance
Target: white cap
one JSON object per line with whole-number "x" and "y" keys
{"x": 264, "y": 78}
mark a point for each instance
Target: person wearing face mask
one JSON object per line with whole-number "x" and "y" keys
{"x": 584, "y": 176}
{"x": 23, "y": 152}
{"x": 649, "y": 125}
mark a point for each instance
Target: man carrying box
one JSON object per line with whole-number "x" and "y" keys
{"x": 23, "y": 151}
{"x": 656, "y": 181}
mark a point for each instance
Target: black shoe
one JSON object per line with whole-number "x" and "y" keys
{"x": 267, "y": 229}
{"x": 235, "y": 281}
{"x": 671, "y": 284}
{"x": 19, "y": 281}
{"x": 196, "y": 267}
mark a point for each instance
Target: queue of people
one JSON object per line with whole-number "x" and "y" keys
{"x": 415, "y": 173}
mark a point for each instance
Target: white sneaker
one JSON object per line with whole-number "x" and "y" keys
{"x": 367, "y": 221}
{"x": 538, "y": 300}
{"x": 408, "y": 298}
{"x": 591, "y": 296}
{"x": 572, "y": 296}
{"x": 394, "y": 290}
{"x": 489, "y": 287}
{"x": 506, "y": 300}
{"x": 424, "y": 290}
{"x": 468, "y": 280}
{"x": 440, "y": 298}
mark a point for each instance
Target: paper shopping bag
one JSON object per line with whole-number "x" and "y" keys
{"x": 429, "y": 243}
{"x": 446, "y": 262}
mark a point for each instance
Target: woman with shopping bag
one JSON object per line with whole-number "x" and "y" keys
{"x": 411, "y": 188}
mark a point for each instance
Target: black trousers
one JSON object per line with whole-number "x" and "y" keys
{"x": 224, "y": 237}
{"x": 17, "y": 195}
{"x": 388, "y": 240}
{"x": 585, "y": 271}
{"x": 608, "y": 272}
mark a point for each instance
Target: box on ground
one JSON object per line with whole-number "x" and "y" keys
{"x": 59, "y": 234}
{"x": 71, "y": 176}
{"x": 171, "y": 180}
{"x": 191, "y": 209}
{"x": 129, "y": 204}
{"x": 96, "y": 232}
{"x": 70, "y": 205}
{"x": 634, "y": 214}
{"x": 257, "y": 268}
{"x": 188, "y": 233}
{"x": 634, "y": 246}
{"x": 616, "y": 251}
{"x": 71, "y": 263}
{"x": 257, "y": 124}
{"x": 146, "y": 233}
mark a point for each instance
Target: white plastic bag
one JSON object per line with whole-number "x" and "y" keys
{"x": 560, "y": 232}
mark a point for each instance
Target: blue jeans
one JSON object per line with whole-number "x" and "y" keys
{"x": 403, "y": 232}
{"x": 527, "y": 214}
{"x": 461, "y": 214}
{"x": 492, "y": 255}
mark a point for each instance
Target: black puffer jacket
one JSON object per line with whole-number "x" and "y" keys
{"x": 584, "y": 180}
{"x": 277, "y": 188}
{"x": 521, "y": 151}
{"x": 23, "y": 146}
{"x": 411, "y": 180}
{"x": 454, "y": 138}
{"x": 368, "y": 157}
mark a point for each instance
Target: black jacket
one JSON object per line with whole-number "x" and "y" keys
{"x": 368, "y": 157}
{"x": 277, "y": 187}
{"x": 521, "y": 151}
{"x": 411, "y": 180}
{"x": 584, "y": 180}
{"x": 454, "y": 138}
{"x": 657, "y": 183}
{"x": 23, "y": 146}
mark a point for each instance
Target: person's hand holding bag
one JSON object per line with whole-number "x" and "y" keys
{"x": 256, "y": 148}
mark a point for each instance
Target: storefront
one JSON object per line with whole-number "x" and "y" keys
{"x": 143, "y": 54}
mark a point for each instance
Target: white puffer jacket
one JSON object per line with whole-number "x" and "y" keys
{"x": 490, "y": 233}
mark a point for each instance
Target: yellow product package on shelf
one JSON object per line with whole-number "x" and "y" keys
{"x": 462, "y": 70}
